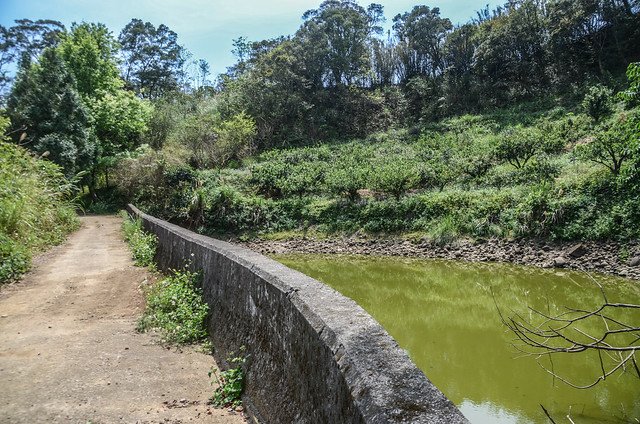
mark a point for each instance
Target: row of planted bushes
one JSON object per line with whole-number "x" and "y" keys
{"x": 477, "y": 176}
{"x": 601, "y": 208}
{"x": 35, "y": 208}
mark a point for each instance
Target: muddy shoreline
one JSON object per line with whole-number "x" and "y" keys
{"x": 621, "y": 259}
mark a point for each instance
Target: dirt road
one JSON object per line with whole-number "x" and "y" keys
{"x": 69, "y": 352}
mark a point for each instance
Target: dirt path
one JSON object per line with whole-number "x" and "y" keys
{"x": 69, "y": 351}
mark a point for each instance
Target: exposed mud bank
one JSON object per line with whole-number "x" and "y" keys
{"x": 622, "y": 259}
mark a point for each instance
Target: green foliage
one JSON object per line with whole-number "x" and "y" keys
{"x": 615, "y": 143}
{"x": 45, "y": 102}
{"x": 598, "y": 102}
{"x": 267, "y": 177}
{"x": 89, "y": 52}
{"x": 120, "y": 120}
{"x": 153, "y": 59}
{"x": 498, "y": 143}
{"x": 230, "y": 383}
{"x": 518, "y": 145}
{"x": 36, "y": 207}
{"x": 15, "y": 259}
{"x": 212, "y": 140}
{"x": 335, "y": 78}
{"x": 235, "y": 138}
{"x": 142, "y": 245}
{"x": 447, "y": 183}
{"x": 175, "y": 306}
{"x": 347, "y": 176}
{"x": 394, "y": 177}
{"x": 443, "y": 159}
{"x": 631, "y": 96}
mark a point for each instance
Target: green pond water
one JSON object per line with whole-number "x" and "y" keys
{"x": 444, "y": 314}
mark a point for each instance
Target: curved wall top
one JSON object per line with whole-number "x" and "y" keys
{"x": 313, "y": 355}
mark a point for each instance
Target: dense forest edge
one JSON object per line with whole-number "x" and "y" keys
{"x": 523, "y": 123}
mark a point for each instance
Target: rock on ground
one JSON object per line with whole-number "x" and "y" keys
{"x": 604, "y": 257}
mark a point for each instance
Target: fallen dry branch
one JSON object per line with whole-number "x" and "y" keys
{"x": 616, "y": 345}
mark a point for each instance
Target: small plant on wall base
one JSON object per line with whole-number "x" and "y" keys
{"x": 175, "y": 306}
{"x": 142, "y": 245}
{"x": 230, "y": 383}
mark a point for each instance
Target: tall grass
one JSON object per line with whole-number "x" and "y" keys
{"x": 36, "y": 208}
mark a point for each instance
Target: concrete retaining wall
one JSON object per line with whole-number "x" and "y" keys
{"x": 314, "y": 356}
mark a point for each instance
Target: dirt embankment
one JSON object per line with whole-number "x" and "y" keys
{"x": 69, "y": 352}
{"x": 606, "y": 257}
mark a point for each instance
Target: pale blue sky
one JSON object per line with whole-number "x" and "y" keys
{"x": 207, "y": 27}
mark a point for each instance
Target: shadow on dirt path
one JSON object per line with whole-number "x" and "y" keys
{"x": 69, "y": 351}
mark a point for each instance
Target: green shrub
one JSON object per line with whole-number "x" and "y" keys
{"x": 304, "y": 178}
{"x": 175, "y": 306}
{"x": 346, "y": 177}
{"x": 517, "y": 145}
{"x": 511, "y": 173}
{"x": 230, "y": 384}
{"x": 142, "y": 245}
{"x": 394, "y": 177}
{"x": 598, "y": 102}
{"x": 268, "y": 177}
{"x": 615, "y": 144}
{"x": 631, "y": 95}
{"x": 14, "y": 259}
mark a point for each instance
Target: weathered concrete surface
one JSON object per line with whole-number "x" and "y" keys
{"x": 69, "y": 352}
{"x": 314, "y": 356}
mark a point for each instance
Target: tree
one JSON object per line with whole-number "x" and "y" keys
{"x": 213, "y": 140}
{"x": 33, "y": 37}
{"x": 421, "y": 34}
{"x": 118, "y": 117}
{"x": 518, "y": 145}
{"x": 631, "y": 95}
{"x": 274, "y": 91}
{"x": 6, "y": 57}
{"x": 615, "y": 143}
{"x": 591, "y": 37}
{"x": 26, "y": 39}
{"x": 89, "y": 51}
{"x": 335, "y": 37}
{"x": 394, "y": 177}
{"x": 153, "y": 59}
{"x": 510, "y": 58}
{"x": 235, "y": 139}
{"x": 44, "y": 101}
{"x": 459, "y": 51}
{"x": 385, "y": 62}
{"x": 347, "y": 177}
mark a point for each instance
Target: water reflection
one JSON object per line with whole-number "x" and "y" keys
{"x": 443, "y": 313}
